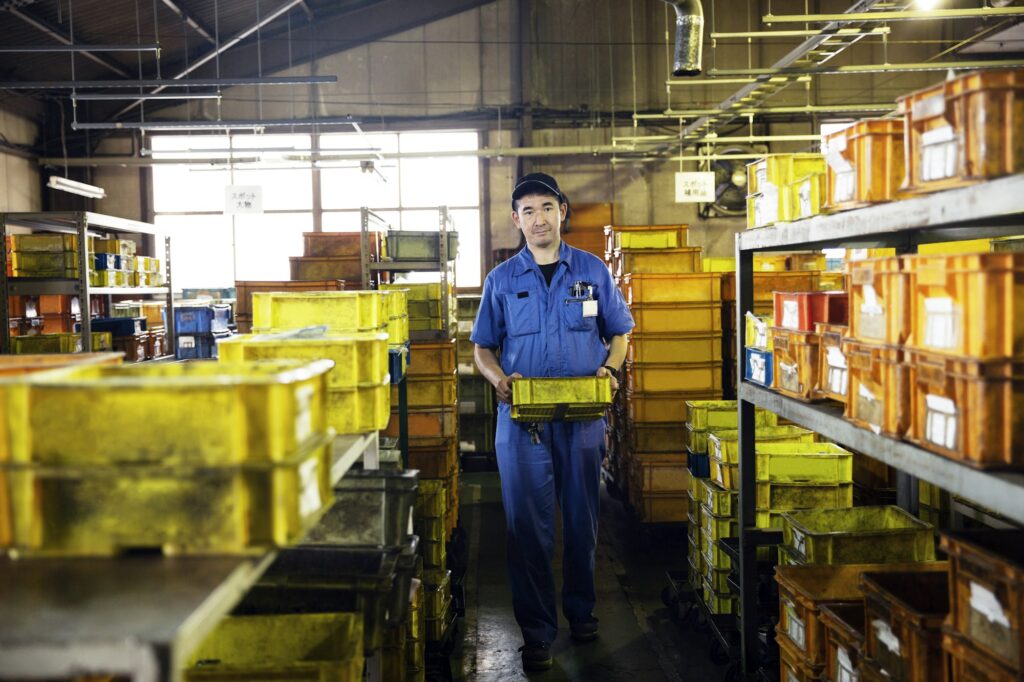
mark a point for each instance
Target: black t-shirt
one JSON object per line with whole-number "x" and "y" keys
{"x": 549, "y": 271}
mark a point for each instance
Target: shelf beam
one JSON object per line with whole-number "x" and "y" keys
{"x": 1002, "y": 492}
{"x": 988, "y": 209}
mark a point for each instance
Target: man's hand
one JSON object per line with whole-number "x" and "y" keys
{"x": 603, "y": 372}
{"x": 504, "y": 387}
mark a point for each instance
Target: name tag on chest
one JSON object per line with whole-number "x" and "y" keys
{"x": 589, "y": 308}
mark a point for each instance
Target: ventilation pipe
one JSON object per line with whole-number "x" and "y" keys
{"x": 689, "y": 37}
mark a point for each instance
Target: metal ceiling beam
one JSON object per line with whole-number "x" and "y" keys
{"x": 210, "y": 56}
{"x": 189, "y": 18}
{"x": 796, "y": 33}
{"x": 60, "y": 36}
{"x": 903, "y": 15}
{"x": 753, "y": 90}
{"x": 880, "y": 107}
{"x": 163, "y": 83}
{"x": 856, "y": 69}
{"x": 81, "y": 48}
{"x": 215, "y": 125}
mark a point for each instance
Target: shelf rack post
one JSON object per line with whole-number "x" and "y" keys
{"x": 84, "y": 300}
{"x": 5, "y": 332}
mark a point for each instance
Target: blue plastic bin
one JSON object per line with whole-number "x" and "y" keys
{"x": 106, "y": 261}
{"x": 198, "y": 346}
{"x": 119, "y": 326}
{"x": 699, "y": 465}
{"x": 757, "y": 368}
{"x": 195, "y": 319}
{"x": 396, "y": 366}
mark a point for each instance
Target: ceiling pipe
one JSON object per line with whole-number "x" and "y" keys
{"x": 689, "y": 37}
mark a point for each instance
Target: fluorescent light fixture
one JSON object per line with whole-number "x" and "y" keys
{"x": 162, "y": 95}
{"x": 255, "y": 124}
{"x": 926, "y": 4}
{"x": 73, "y": 187}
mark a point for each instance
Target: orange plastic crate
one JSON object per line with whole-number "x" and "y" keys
{"x": 697, "y": 287}
{"x": 865, "y": 164}
{"x": 327, "y": 244}
{"x": 434, "y": 457}
{"x": 905, "y": 612}
{"x": 660, "y": 437}
{"x": 657, "y": 236}
{"x": 844, "y": 639}
{"x": 433, "y": 358}
{"x": 964, "y": 130}
{"x": 675, "y": 318}
{"x": 968, "y": 410}
{"x": 986, "y": 574}
{"x": 833, "y": 370}
{"x": 663, "y": 407}
{"x": 793, "y": 666}
{"x": 880, "y": 300}
{"x": 334, "y": 267}
{"x": 244, "y": 289}
{"x": 879, "y": 395}
{"x": 656, "y": 261}
{"x": 795, "y": 363}
{"x": 766, "y": 283}
{"x": 968, "y": 305}
{"x": 426, "y": 423}
{"x": 801, "y": 310}
{"x": 657, "y": 348}
{"x": 969, "y": 664}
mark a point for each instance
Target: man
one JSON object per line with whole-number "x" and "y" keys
{"x": 551, "y": 310}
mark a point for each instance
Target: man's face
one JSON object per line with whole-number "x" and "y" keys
{"x": 540, "y": 218}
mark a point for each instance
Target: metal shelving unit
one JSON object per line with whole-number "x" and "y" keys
{"x": 84, "y": 224}
{"x": 991, "y": 209}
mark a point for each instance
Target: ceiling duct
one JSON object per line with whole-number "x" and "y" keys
{"x": 689, "y": 37}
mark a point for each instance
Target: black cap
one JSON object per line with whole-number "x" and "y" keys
{"x": 536, "y": 183}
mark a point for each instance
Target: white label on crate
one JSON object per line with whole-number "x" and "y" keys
{"x": 799, "y": 542}
{"x": 886, "y": 636}
{"x": 791, "y": 676}
{"x": 186, "y": 342}
{"x": 806, "y": 205}
{"x": 941, "y": 421}
{"x": 465, "y": 326}
{"x": 467, "y": 368}
{"x": 835, "y": 357}
{"x": 929, "y": 107}
{"x": 791, "y": 315}
{"x": 869, "y": 408}
{"x": 837, "y": 380}
{"x": 789, "y": 377}
{"x": 467, "y": 407}
{"x": 940, "y": 323}
{"x": 309, "y": 482}
{"x": 987, "y": 604}
{"x": 695, "y": 187}
{"x": 835, "y": 159}
{"x": 938, "y": 154}
{"x": 467, "y": 446}
{"x": 845, "y": 671}
{"x": 795, "y": 627}
{"x": 856, "y": 254}
{"x": 845, "y": 187}
{"x": 758, "y": 368}
{"x": 303, "y": 413}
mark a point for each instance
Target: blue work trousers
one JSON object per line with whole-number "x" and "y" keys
{"x": 564, "y": 469}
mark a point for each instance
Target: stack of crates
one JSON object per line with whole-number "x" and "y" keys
{"x": 433, "y": 506}
{"x": 43, "y": 255}
{"x": 416, "y": 635}
{"x": 796, "y": 342}
{"x": 865, "y": 164}
{"x": 675, "y": 354}
{"x": 199, "y": 328}
{"x": 784, "y": 187}
{"x": 335, "y": 255}
{"x": 130, "y": 332}
{"x": 353, "y": 334}
{"x": 426, "y": 308}
{"x": 207, "y": 458}
{"x": 477, "y": 403}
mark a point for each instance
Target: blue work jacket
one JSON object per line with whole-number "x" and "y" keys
{"x": 541, "y": 330}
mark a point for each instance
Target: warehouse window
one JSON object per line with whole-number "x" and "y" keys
{"x": 408, "y": 191}
{"x": 211, "y": 249}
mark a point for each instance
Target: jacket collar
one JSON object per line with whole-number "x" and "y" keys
{"x": 525, "y": 261}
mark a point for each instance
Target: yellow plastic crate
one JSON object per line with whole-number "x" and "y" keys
{"x": 769, "y": 262}
{"x": 397, "y": 329}
{"x": 361, "y": 409}
{"x": 759, "y": 331}
{"x": 807, "y": 195}
{"x": 718, "y": 527}
{"x": 417, "y": 292}
{"x": 675, "y": 318}
{"x": 718, "y": 264}
{"x": 396, "y": 301}
{"x": 859, "y": 535}
{"x": 725, "y": 446}
{"x": 359, "y": 357}
{"x": 717, "y": 579}
{"x": 657, "y": 261}
{"x": 104, "y": 510}
{"x": 431, "y": 498}
{"x": 174, "y": 414}
{"x": 782, "y": 170}
{"x": 719, "y": 603}
{"x": 722, "y": 414}
{"x": 775, "y": 498}
{"x": 674, "y": 377}
{"x": 673, "y": 348}
{"x": 791, "y": 463}
{"x": 569, "y": 399}
{"x": 45, "y": 242}
{"x": 28, "y": 262}
{"x": 649, "y": 237}
{"x": 713, "y": 554}
{"x": 339, "y": 311}
{"x": 715, "y": 498}
{"x": 293, "y": 646}
{"x": 429, "y": 391}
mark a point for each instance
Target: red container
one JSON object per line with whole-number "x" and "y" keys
{"x": 801, "y": 311}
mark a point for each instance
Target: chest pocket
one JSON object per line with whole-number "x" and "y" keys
{"x": 522, "y": 314}
{"x": 572, "y": 316}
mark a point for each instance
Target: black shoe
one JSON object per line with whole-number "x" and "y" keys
{"x": 584, "y": 630}
{"x": 536, "y": 656}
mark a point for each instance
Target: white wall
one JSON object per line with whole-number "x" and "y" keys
{"x": 20, "y": 186}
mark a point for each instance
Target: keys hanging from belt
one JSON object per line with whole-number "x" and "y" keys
{"x": 535, "y": 429}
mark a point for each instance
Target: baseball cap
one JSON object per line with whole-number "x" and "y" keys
{"x": 536, "y": 183}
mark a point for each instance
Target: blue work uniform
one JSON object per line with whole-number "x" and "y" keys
{"x": 541, "y": 330}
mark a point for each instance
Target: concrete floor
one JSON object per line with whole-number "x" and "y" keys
{"x": 638, "y": 641}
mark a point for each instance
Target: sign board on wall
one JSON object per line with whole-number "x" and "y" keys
{"x": 243, "y": 199}
{"x": 695, "y": 187}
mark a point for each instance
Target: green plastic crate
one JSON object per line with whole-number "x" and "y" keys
{"x": 419, "y": 245}
{"x": 884, "y": 534}
{"x": 555, "y": 398}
